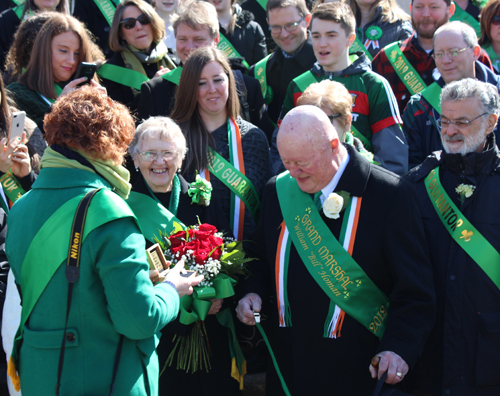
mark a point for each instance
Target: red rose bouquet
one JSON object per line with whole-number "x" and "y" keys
{"x": 219, "y": 259}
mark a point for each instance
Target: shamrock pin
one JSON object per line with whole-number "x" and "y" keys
{"x": 466, "y": 235}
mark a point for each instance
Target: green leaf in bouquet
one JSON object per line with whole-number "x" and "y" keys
{"x": 177, "y": 228}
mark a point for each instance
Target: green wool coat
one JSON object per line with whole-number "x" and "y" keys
{"x": 113, "y": 296}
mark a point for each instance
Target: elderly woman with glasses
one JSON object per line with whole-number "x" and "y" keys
{"x": 158, "y": 149}
{"x": 140, "y": 54}
{"x": 490, "y": 32}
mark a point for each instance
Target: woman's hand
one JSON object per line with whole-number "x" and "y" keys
{"x": 161, "y": 72}
{"x": 183, "y": 285}
{"x": 21, "y": 166}
{"x": 216, "y": 306}
{"x": 6, "y": 150}
{"x": 71, "y": 86}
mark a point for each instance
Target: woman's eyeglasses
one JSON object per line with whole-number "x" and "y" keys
{"x": 129, "y": 23}
{"x": 495, "y": 20}
{"x": 150, "y": 156}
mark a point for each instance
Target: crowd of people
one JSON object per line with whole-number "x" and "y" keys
{"x": 358, "y": 144}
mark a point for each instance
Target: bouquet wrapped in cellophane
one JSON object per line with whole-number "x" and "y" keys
{"x": 220, "y": 259}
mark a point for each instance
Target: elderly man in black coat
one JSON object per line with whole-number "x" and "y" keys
{"x": 369, "y": 299}
{"x": 458, "y": 191}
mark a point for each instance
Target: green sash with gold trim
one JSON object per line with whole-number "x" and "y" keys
{"x": 228, "y": 49}
{"x": 403, "y": 68}
{"x": 432, "y": 94}
{"x": 107, "y": 8}
{"x": 465, "y": 17}
{"x": 357, "y": 45}
{"x": 261, "y": 75}
{"x": 11, "y": 186}
{"x": 236, "y": 181}
{"x": 461, "y": 230}
{"x": 335, "y": 271}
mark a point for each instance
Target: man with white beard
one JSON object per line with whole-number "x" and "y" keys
{"x": 458, "y": 190}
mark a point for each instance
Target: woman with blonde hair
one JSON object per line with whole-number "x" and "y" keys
{"x": 60, "y": 46}
{"x": 136, "y": 36}
{"x": 379, "y": 23}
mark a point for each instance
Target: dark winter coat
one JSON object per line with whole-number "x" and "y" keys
{"x": 462, "y": 355}
{"x": 390, "y": 247}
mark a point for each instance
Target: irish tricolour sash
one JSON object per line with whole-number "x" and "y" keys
{"x": 339, "y": 276}
{"x": 232, "y": 174}
{"x": 461, "y": 230}
{"x": 405, "y": 71}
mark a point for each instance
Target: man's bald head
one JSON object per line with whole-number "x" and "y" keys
{"x": 309, "y": 147}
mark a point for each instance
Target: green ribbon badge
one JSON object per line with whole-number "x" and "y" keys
{"x": 373, "y": 33}
{"x": 201, "y": 191}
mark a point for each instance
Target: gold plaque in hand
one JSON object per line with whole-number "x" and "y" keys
{"x": 157, "y": 261}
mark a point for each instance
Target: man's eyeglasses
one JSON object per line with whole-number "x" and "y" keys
{"x": 451, "y": 53}
{"x": 151, "y": 156}
{"x": 289, "y": 27}
{"x": 129, "y": 23}
{"x": 460, "y": 124}
{"x": 495, "y": 20}
{"x": 332, "y": 117}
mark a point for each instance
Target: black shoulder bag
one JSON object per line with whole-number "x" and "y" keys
{"x": 72, "y": 275}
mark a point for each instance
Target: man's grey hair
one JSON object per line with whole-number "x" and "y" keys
{"x": 163, "y": 128}
{"x": 472, "y": 88}
{"x": 468, "y": 33}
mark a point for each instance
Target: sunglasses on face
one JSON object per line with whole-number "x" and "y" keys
{"x": 129, "y": 23}
{"x": 495, "y": 20}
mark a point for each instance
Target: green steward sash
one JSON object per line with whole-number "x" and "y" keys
{"x": 335, "y": 271}
{"x": 107, "y": 8}
{"x": 49, "y": 248}
{"x": 403, "y": 68}
{"x": 228, "y": 49}
{"x": 261, "y": 75}
{"x": 461, "y": 230}
{"x": 173, "y": 76}
{"x": 152, "y": 216}
{"x": 357, "y": 45}
{"x": 236, "y": 181}
{"x": 263, "y": 4}
{"x": 432, "y": 94}
{"x": 19, "y": 10}
{"x": 11, "y": 187}
{"x": 304, "y": 80}
{"x": 18, "y": 2}
{"x": 464, "y": 16}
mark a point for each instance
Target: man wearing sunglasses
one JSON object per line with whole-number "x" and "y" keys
{"x": 456, "y": 54}
{"x": 458, "y": 190}
{"x": 158, "y": 94}
{"x": 288, "y": 21}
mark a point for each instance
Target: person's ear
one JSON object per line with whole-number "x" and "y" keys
{"x": 451, "y": 10}
{"x": 477, "y": 52}
{"x": 491, "y": 123}
{"x": 308, "y": 20}
{"x": 335, "y": 144}
{"x": 216, "y": 40}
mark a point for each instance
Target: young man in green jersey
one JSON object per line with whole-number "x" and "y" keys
{"x": 376, "y": 119}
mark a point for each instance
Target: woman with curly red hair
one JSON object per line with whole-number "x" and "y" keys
{"x": 114, "y": 306}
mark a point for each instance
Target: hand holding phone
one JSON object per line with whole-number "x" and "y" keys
{"x": 85, "y": 69}
{"x": 16, "y": 126}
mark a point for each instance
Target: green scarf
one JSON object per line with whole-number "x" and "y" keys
{"x": 115, "y": 175}
{"x": 134, "y": 58}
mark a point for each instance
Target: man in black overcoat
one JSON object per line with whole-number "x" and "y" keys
{"x": 389, "y": 246}
{"x": 462, "y": 354}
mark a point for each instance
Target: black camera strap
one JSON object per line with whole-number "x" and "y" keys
{"x": 72, "y": 275}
